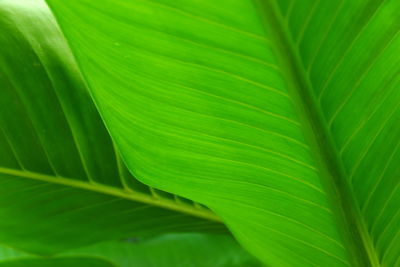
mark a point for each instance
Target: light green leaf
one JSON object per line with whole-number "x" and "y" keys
{"x": 186, "y": 250}
{"x": 62, "y": 184}
{"x": 282, "y": 116}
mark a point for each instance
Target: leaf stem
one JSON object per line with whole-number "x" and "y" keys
{"x": 332, "y": 173}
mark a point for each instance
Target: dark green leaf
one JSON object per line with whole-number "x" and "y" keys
{"x": 184, "y": 250}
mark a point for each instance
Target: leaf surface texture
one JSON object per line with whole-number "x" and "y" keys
{"x": 62, "y": 182}
{"x": 281, "y": 116}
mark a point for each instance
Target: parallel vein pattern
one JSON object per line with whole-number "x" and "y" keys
{"x": 352, "y": 57}
{"x": 195, "y": 92}
{"x": 59, "y": 170}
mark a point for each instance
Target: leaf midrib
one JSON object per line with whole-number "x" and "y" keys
{"x": 116, "y": 192}
{"x": 331, "y": 168}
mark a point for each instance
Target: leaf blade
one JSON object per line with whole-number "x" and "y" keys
{"x": 196, "y": 129}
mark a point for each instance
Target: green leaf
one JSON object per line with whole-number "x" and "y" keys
{"x": 196, "y": 250}
{"x": 60, "y": 262}
{"x": 281, "y": 116}
{"x": 62, "y": 184}
{"x": 13, "y": 258}
{"x": 190, "y": 249}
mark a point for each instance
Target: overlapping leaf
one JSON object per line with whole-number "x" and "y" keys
{"x": 62, "y": 184}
